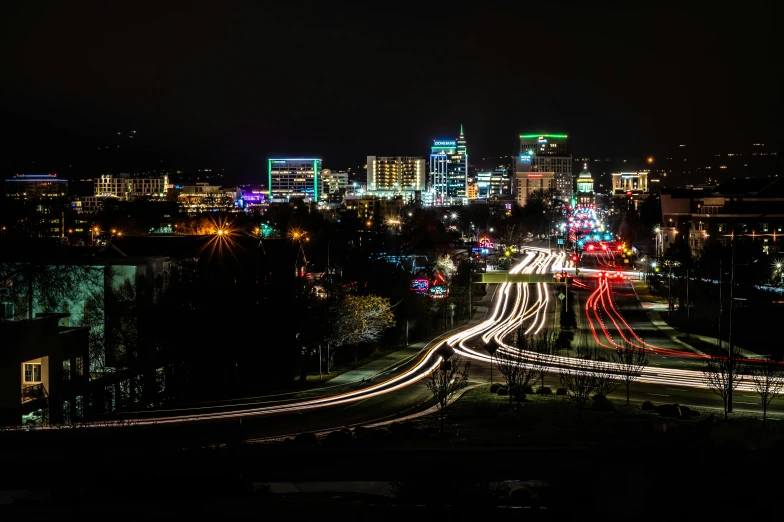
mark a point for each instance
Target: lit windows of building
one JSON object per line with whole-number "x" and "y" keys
{"x": 527, "y": 182}
{"x": 449, "y": 171}
{"x": 36, "y": 187}
{"x": 549, "y": 153}
{"x": 294, "y": 178}
{"x": 125, "y": 188}
{"x": 403, "y": 175}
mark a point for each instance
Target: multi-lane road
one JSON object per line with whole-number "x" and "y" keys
{"x": 609, "y": 315}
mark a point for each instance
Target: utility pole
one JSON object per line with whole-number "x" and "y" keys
{"x": 729, "y": 339}
{"x": 721, "y": 277}
{"x": 688, "y": 308}
{"x": 470, "y": 285}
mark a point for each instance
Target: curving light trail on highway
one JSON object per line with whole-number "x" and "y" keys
{"x": 515, "y": 305}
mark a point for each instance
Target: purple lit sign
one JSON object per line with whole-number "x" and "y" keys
{"x": 251, "y": 197}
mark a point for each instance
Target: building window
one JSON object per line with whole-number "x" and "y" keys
{"x": 66, "y": 369}
{"x": 722, "y": 227}
{"x": 79, "y": 366}
{"x": 743, "y": 228}
{"x": 764, "y": 227}
{"x": 32, "y": 373}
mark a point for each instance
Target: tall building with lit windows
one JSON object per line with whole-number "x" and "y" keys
{"x": 549, "y": 153}
{"x": 396, "y": 174}
{"x": 293, "y": 178}
{"x": 526, "y": 183}
{"x": 449, "y": 171}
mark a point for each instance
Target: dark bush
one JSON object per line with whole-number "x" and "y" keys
{"x": 560, "y": 391}
{"x": 494, "y": 387}
{"x": 544, "y": 390}
{"x": 527, "y": 389}
{"x": 669, "y": 410}
{"x": 647, "y": 405}
{"x": 602, "y": 403}
{"x": 503, "y": 390}
{"x": 306, "y": 439}
{"x": 338, "y": 439}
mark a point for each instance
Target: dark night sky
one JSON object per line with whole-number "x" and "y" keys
{"x": 227, "y": 84}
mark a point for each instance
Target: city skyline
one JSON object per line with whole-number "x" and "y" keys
{"x": 612, "y": 99}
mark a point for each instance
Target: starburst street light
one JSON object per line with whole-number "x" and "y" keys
{"x": 778, "y": 268}
{"x": 298, "y": 235}
{"x": 222, "y": 238}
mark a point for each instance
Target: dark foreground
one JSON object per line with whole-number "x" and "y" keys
{"x": 540, "y": 460}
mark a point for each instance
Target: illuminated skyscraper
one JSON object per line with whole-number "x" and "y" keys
{"x": 293, "y": 178}
{"x": 449, "y": 171}
{"x": 548, "y": 153}
{"x": 397, "y": 173}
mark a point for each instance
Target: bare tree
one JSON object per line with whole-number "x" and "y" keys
{"x": 768, "y": 380}
{"x": 722, "y": 375}
{"x": 580, "y": 384}
{"x": 446, "y": 381}
{"x": 630, "y": 362}
{"x": 607, "y": 381}
{"x": 44, "y": 284}
{"x": 545, "y": 349}
{"x": 515, "y": 368}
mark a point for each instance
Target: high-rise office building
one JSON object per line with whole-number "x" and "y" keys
{"x": 496, "y": 182}
{"x": 396, "y": 173}
{"x": 527, "y": 182}
{"x": 293, "y": 178}
{"x": 449, "y": 171}
{"x": 549, "y": 153}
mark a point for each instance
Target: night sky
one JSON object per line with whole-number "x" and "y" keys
{"x": 227, "y": 84}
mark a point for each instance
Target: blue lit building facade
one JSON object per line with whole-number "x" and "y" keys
{"x": 449, "y": 171}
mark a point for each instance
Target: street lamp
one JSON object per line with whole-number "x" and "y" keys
{"x": 657, "y": 231}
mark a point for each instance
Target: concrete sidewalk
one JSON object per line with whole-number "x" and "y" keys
{"x": 389, "y": 361}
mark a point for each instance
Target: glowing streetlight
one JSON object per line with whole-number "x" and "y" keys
{"x": 657, "y": 231}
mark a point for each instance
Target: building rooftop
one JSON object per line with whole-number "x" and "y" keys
{"x": 756, "y": 187}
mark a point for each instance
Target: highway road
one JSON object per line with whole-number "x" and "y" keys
{"x": 608, "y": 312}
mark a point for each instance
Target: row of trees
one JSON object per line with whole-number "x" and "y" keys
{"x": 723, "y": 374}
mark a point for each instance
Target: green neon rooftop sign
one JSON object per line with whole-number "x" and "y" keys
{"x": 533, "y": 136}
